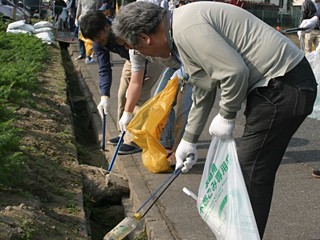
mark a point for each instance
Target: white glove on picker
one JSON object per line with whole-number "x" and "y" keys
{"x": 178, "y": 73}
{"x": 186, "y": 151}
{"x": 124, "y": 121}
{"x": 103, "y": 106}
{"x": 221, "y": 127}
{"x": 309, "y": 24}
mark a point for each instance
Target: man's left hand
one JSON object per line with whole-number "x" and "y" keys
{"x": 125, "y": 119}
{"x": 222, "y": 127}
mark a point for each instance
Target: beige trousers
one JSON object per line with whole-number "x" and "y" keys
{"x": 311, "y": 41}
{"x": 152, "y": 75}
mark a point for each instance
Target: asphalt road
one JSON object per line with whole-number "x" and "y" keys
{"x": 295, "y": 208}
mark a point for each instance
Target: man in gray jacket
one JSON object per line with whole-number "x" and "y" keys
{"x": 228, "y": 47}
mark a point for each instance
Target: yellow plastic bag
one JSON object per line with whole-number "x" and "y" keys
{"x": 88, "y": 44}
{"x": 147, "y": 125}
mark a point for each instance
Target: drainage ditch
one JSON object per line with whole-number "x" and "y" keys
{"x": 102, "y": 214}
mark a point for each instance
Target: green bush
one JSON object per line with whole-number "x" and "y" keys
{"x": 3, "y": 24}
{"x": 21, "y": 58}
{"x": 11, "y": 158}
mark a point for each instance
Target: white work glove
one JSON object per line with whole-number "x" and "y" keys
{"x": 178, "y": 73}
{"x": 76, "y": 23}
{"x": 186, "y": 151}
{"x": 124, "y": 121}
{"x": 221, "y": 127}
{"x": 103, "y": 106}
{"x": 310, "y": 24}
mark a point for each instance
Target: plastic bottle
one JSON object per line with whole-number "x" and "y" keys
{"x": 125, "y": 227}
{"x": 189, "y": 193}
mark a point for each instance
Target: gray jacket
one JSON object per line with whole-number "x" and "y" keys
{"x": 226, "y": 46}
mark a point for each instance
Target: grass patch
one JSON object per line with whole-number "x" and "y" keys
{"x": 22, "y": 57}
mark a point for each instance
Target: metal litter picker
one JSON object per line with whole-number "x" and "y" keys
{"x": 116, "y": 152}
{"x": 292, "y": 30}
{"x": 127, "y": 225}
{"x": 103, "y": 140}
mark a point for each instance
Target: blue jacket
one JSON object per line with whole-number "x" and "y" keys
{"x": 103, "y": 58}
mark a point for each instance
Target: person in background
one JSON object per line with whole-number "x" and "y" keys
{"x": 310, "y": 24}
{"x": 88, "y": 46}
{"x": 71, "y": 7}
{"x": 83, "y": 7}
{"x": 58, "y": 7}
{"x": 228, "y": 47}
{"x": 106, "y": 10}
{"x": 312, "y": 38}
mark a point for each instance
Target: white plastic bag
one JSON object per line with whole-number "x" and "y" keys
{"x": 42, "y": 24}
{"x": 314, "y": 60}
{"x": 223, "y": 201}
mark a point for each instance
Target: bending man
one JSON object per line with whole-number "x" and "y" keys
{"x": 228, "y": 47}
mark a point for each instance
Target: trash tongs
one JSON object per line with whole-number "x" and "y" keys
{"x": 293, "y": 30}
{"x": 116, "y": 151}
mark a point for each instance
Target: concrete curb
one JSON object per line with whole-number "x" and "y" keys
{"x": 126, "y": 165}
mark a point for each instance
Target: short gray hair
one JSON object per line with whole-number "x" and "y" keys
{"x": 136, "y": 18}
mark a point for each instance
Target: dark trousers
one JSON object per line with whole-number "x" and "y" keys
{"x": 273, "y": 114}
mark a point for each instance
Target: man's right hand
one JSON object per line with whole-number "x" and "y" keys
{"x": 103, "y": 106}
{"x": 186, "y": 155}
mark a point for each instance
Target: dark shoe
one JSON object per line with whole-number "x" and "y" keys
{"x": 114, "y": 141}
{"x": 128, "y": 149}
{"x": 316, "y": 173}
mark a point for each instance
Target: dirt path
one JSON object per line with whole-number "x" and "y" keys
{"x": 47, "y": 203}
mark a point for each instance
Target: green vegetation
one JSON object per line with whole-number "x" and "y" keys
{"x": 21, "y": 58}
{"x": 141, "y": 236}
{"x": 28, "y": 230}
{"x": 72, "y": 207}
